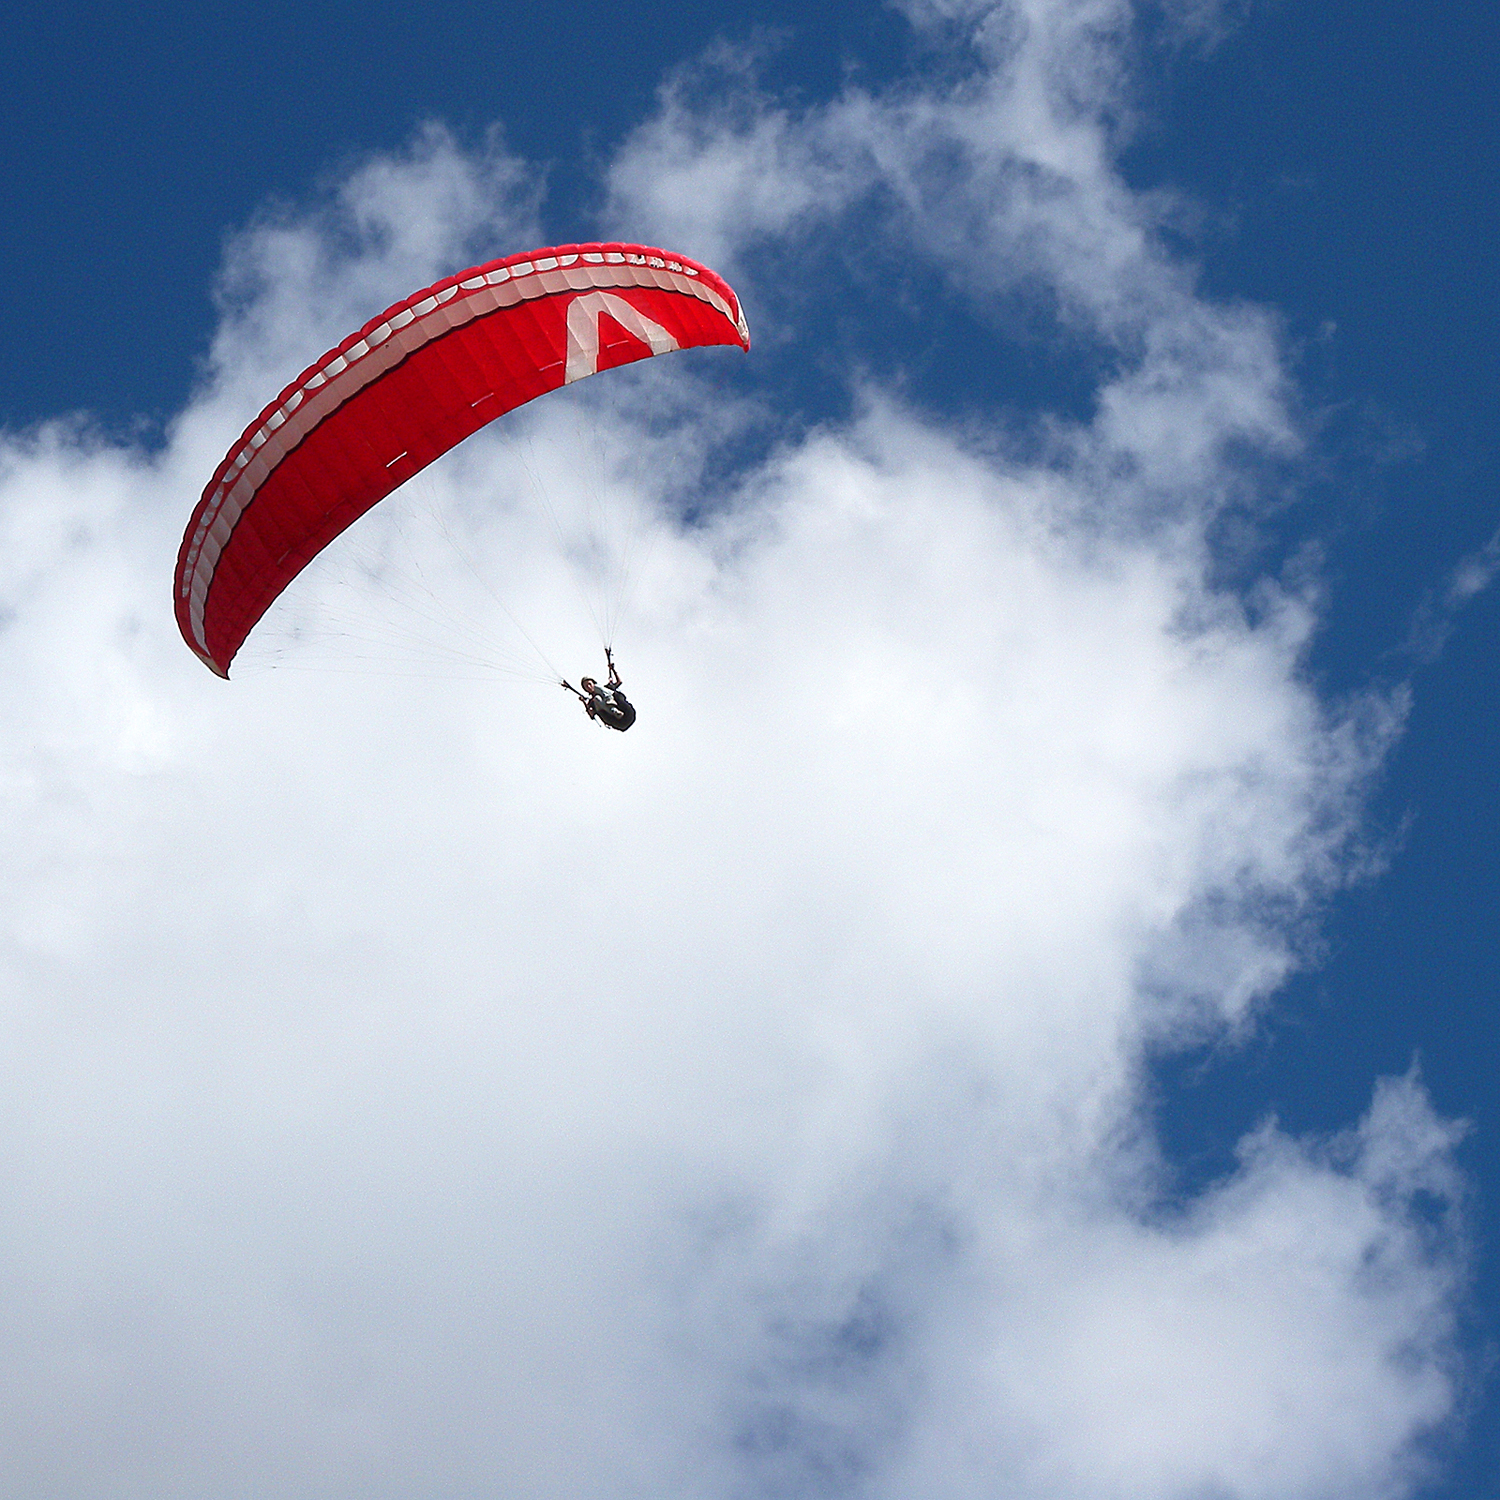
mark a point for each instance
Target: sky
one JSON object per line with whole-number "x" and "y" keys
{"x": 1013, "y": 1017}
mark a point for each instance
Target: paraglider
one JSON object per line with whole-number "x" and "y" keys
{"x": 410, "y": 385}
{"x": 607, "y": 704}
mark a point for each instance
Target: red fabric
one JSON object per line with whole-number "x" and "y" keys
{"x": 369, "y": 428}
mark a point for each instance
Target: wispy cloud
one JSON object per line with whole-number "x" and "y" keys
{"x": 1433, "y": 620}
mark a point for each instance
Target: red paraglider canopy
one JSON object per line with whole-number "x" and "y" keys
{"x": 405, "y": 389}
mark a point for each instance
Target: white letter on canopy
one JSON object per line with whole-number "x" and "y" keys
{"x": 583, "y": 331}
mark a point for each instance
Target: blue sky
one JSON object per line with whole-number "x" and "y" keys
{"x": 1297, "y": 203}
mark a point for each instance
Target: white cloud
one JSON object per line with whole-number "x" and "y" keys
{"x": 1432, "y": 621}
{"x": 409, "y": 1087}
